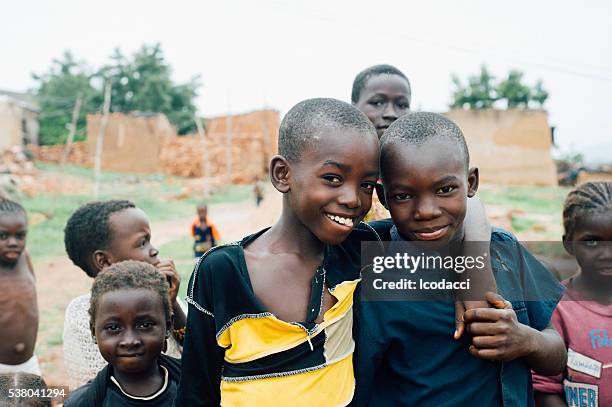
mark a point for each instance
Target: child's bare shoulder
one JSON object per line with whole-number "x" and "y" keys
{"x": 21, "y": 271}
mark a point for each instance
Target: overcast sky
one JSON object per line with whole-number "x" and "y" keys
{"x": 274, "y": 53}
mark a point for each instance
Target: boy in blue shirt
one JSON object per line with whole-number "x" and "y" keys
{"x": 405, "y": 355}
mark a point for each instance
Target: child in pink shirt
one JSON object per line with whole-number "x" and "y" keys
{"x": 584, "y": 316}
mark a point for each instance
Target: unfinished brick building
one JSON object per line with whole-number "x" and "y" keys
{"x": 510, "y": 147}
{"x": 237, "y": 147}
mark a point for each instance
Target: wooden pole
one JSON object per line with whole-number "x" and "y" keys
{"x": 205, "y": 162}
{"x": 265, "y": 142}
{"x": 100, "y": 141}
{"x": 72, "y": 131}
{"x": 228, "y": 147}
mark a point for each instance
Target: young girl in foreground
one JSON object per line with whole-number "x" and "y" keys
{"x": 584, "y": 315}
{"x": 130, "y": 319}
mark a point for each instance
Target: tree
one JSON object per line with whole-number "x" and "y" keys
{"x": 143, "y": 83}
{"x": 540, "y": 95}
{"x": 481, "y": 92}
{"x": 57, "y": 92}
{"x": 140, "y": 83}
{"x": 514, "y": 91}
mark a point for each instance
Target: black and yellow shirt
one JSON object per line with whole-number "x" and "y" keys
{"x": 236, "y": 353}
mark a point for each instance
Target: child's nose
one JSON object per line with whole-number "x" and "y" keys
{"x": 350, "y": 198}
{"x": 605, "y": 253}
{"x": 425, "y": 209}
{"x": 12, "y": 241}
{"x": 389, "y": 112}
{"x": 130, "y": 339}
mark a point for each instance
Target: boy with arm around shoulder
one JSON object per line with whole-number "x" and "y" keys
{"x": 270, "y": 319}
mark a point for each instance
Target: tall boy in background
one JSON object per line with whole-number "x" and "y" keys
{"x": 382, "y": 93}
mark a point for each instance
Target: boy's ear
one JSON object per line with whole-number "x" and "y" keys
{"x": 473, "y": 180}
{"x": 280, "y": 173}
{"x": 93, "y": 331}
{"x": 100, "y": 260}
{"x": 568, "y": 245}
{"x": 380, "y": 192}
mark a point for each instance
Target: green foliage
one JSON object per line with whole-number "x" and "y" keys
{"x": 142, "y": 83}
{"x": 520, "y": 224}
{"x": 57, "y": 92}
{"x": 514, "y": 91}
{"x": 181, "y": 251}
{"x": 481, "y": 92}
{"x": 139, "y": 83}
{"x": 541, "y": 200}
{"x": 539, "y": 95}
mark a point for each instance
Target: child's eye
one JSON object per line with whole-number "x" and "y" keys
{"x": 112, "y": 328}
{"x": 368, "y": 187}
{"x": 332, "y": 179}
{"x": 402, "y": 197}
{"x": 3, "y": 236}
{"x": 147, "y": 325}
{"x": 21, "y": 235}
{"x": 403, "y": 106}
{"x": 591, "y": 243}
{"x": 446, "y": 189}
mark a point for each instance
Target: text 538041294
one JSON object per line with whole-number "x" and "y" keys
{"x": 41, "y": 393}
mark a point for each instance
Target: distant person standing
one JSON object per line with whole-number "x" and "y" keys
{"x": 258, "y": 190}
{"x": 205, "y": 234}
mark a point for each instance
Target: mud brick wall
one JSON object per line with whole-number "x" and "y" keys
{"x": 131, "y": 143}
{"x": 510, "y": 147}
{"x": 594, "y": 176}
{"x": 149, "y": 145}
{"x": 253, "y": 143}
{"x": 79, "y": 153}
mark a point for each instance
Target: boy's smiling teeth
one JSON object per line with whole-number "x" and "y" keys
{"x": 340, "y": 219}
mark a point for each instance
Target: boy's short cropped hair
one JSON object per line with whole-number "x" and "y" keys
{"x": 363, "y": 76}
{"x": 421, "y": 127}
{"x": 305, "y": 120}
{"x": 88, "y": 230}
{"x": 129, "y": 274}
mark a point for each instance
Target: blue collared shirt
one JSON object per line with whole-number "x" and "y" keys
{"x": 406, "y": 355}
